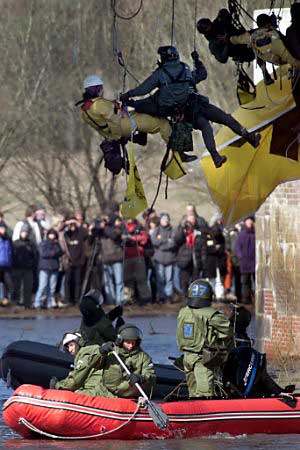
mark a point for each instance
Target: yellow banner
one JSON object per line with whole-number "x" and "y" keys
{"x": 241, "y": 185}
{"x": 135, "y": 200}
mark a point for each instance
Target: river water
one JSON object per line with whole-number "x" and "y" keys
{"x": 159, "y": 341}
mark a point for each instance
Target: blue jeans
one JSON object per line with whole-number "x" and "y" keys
{"x": 176, "y": 279}
{"x": 164, "y": 277}
{"x": 114, "y": 283}
{"x": 47, "y": 284}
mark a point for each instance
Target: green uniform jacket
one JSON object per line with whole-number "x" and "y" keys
{"x": 102, "y": 331}
{"x": 115, "y": 379}
{"x": 86, "y": 378}
{"x": 201, "y": 328}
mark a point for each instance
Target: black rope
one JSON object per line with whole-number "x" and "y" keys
{"x": 114, "y": 8}
{"x": 116, "y": 51}
{"x": 173, "y": 22}
{"x": 195, "y": 23}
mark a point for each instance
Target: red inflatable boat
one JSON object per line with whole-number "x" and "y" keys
{"x": 33, "y": 411}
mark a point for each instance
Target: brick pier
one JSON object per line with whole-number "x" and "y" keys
{"x": 278, "y": 273}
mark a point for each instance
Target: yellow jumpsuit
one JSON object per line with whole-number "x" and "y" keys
{"x": 112, "y": 124}
{"x": 277, "y": 54}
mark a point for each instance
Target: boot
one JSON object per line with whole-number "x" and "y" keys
{"x": 253, "y": 138}
{"x": 218, "y": 159}
{"x": 187, "y": 158}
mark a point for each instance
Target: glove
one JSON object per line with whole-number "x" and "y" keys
{"x": 53, "y": 382}
{"x": 195, "y": 55}
{"x": 135, "y": 378}
{"x": 107, "y": 347}
{"x": 124, "y": 97}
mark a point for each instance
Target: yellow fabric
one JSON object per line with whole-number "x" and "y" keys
{"x": 135, "y": 200}
{"x": 275, "y": 53}
{"x": 119, "y": 125}
{"x": 174, "y": 166}
{"x": 244, "y": 96}
{"x": 241, "y": 185}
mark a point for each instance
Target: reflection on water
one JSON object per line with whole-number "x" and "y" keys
{"x": 159, "y": 341}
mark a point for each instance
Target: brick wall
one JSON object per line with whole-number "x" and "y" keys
{"x": 278, "y": 273}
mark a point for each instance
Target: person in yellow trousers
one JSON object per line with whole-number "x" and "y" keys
{"x": 109, "y": 120}
{"x": 267, "y": 43}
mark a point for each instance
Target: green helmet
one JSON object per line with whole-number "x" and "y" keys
{"x": 200, "y": 294}
{"x": 129, "y": 332}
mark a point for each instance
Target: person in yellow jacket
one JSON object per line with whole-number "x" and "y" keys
{"x": 110, "y": 120}
{"x": 204, "y": 336}
{"x": 267, "y": 43}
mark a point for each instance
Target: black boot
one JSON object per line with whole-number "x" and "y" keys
{"x": 253, "y": 138}
{"x": 218, "y": 159}
{"x": 187, "y": 158}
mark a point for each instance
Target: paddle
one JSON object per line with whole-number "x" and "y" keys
{"x": 158, "y": 416}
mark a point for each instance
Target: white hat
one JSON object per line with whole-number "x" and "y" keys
{"x": 71, "y": 337}
{"x": 92, "y": 80}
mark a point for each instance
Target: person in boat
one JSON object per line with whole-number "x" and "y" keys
{"x": 128, "y": 347}
{"x": 268, "y": 43}
{"x": 204, "y": 336}
{"x": 85, "y": 378}
{"x": 240, "y": 319}
{"x": 245, "y": 375}
{"x": 96, "y": 327}
{"x": 176, "y": 95}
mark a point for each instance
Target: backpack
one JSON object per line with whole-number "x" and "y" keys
{"x": 175, "y": 89}
{"x": 113, "y": 160}
{"x": 261, "y": 42}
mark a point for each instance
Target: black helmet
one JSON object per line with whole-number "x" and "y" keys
{"x": 168, "y": 53}
{"x": 90, "y": 304}
{"x": 129, "y": 332}
{"x": 200, "y": 294}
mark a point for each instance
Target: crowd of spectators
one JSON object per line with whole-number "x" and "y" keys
{"x": 49, "y": 262}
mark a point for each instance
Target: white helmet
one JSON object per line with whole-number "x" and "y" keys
{"x": 71, "y": 337}
{"x": 92, "y": 80}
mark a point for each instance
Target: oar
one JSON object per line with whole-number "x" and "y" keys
{"x": 158, "y": 416}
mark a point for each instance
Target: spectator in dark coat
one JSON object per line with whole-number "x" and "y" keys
{"x": 112, "y": 258}
{"x": 164, "y": 255}
{"x": 76, "y": 249}
{"x": 135, "y": 268}
{"x": 245, "y": 251}
{"x": 49, "y": 253}
{"x": 25, "y": 257}
{"x": 5, "y": 264}
{"x": 189, "y": 257}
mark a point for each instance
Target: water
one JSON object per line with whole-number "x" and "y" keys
{"x": 159, "y": 341}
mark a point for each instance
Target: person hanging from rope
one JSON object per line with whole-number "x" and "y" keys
{"x": 115, "y": 124}
{"x": 200, "y": 112}
{"x": 267, "y": 43}
{"x": 195, "y": 107}
{"x": 217, "y": 33}
{"x": 173, "y": 81}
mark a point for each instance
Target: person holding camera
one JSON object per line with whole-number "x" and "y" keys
{"x": 110, "y": 232}
{"x": 136, "y": 239}
{"x": 189, "y": 254}
{"x": 75, "y": 238}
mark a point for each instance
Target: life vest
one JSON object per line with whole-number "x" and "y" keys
{"x": 261, "y": 42}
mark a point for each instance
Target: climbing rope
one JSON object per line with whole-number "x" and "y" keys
{"x": 120, "y": 16}
{"x": 75, "y": 33}
{"x": 33, "y": 428}
{"x": 195, "y": 23}
{"x": 173, "y": 22}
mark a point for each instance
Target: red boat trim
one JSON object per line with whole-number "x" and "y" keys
{"x": 122, "y": 416}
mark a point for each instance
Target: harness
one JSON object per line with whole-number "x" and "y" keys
{"x": 177, "y": 78}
